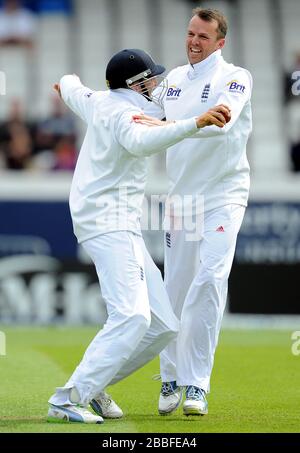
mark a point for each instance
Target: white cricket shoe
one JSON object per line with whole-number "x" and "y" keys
{"x": 70, "y": 413}
{"x": 105, "y": 406}
{"x": 170, "y": 398}
{"x": 195, "y": 403}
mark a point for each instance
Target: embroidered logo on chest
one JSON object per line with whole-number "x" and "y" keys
{"x": 205, "y": 92}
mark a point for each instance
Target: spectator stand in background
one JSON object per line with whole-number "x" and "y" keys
{"x": 292, "y": 108}
{"x": 16, "y": 144}
{"x": 45, "y": 145}
{"x": 46, "y": 6}
{"x": 18, "y": 31}
{"x": 17, "y": 25}
{"x": 55, "y": 139}
{"x": 22, "y": 28}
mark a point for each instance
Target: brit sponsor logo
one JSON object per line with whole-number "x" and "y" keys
{"x": 236, "y": 87}
{"x": 173, "y": 93}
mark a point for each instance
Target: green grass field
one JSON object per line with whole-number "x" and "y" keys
{"x": 255, "y": 385}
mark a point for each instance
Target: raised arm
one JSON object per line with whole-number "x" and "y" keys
{"x": 201, "y": 120}
{"x": 75, "y": 95}
{"x": 143, "y": 140}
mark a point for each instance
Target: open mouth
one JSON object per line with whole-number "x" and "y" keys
{"x": 196, "y": 51}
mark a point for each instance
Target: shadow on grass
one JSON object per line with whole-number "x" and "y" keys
{"x": 136, "y": 418}
{"x": 167, "y": 419}
{"x": 7, "y": 420}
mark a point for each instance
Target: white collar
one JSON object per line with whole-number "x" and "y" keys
{"x": 205, "y": 65}
{"x": 134, "y": 97}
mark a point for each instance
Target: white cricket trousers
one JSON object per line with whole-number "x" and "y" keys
{"x": 196, "y": 279}
{"x": 140, "y": 319}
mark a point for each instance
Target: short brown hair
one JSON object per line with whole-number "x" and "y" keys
{"x": 208, "y": 15}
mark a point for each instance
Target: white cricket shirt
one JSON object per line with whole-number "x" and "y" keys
{"x": 109, "y": 180}
{"x": 213, "y": 163}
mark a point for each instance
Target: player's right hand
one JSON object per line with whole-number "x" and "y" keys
{"x": 218, "y": 116}
{"x": 147, "y": 120}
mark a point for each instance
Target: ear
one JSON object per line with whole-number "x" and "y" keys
{"x": 220, "y": 44}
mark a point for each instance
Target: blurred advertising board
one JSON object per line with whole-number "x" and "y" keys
{"x": 266, "y": 270}
{"x": 45, "y": 276}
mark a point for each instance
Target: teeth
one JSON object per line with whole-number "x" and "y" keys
{"x": 196, "y": 50}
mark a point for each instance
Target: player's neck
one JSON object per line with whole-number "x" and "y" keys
{"x": 208, "y": 63}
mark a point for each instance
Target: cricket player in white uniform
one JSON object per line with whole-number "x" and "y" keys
{"x": 212, "y": 165}
{"x": 105, "y": 202}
